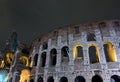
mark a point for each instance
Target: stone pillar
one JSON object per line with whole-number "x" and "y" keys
{"x": 102, "y": 56}
{"x": 38, "y": 64}
{"x": 86, "y": 57}
{"x": 117, "y": 50}
{"x": 47, "y": 58}
{"x": 58, "y": 63}
{"x": 71, "y": 57}
{"x": 14, "y": 63}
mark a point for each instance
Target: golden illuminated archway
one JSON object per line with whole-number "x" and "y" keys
{"x": 109, "y": 51}
{"x": 24, "y": 60}
{"x": 9, "y": 58}
{"x": 93, "y": 53}
{"x": 25, "y": 76}
{"x": 75, "y": 51}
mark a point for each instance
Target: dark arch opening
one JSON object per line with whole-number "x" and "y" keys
{"x": 79, "y": 51}
{"x": 79, "y": 79}
{"x": 110, "y": 53}
{"x": 44, "y": 46}
{"x": 40, "y": 79}
{"x": 50, "y": 79}
{"x": 35, "y": 59}
{"x": 65, "y": 53}
{"x": 93, "y": 54}
{"x": 91, "y": 37}
{"x": 43, "y": 59}
{"x": 53, "y": 57}
{"x": 63, "y": 79}
{"x": 97, "y": 78}
{"x": 102, "y": 24}
{"x": 115, "y": 78}
{"x": 106, "y": 46}
{"x": 10, "y": 80}
{"x": 31, "y": 80}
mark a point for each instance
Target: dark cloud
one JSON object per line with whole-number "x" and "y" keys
{"x": 31, "y": 18}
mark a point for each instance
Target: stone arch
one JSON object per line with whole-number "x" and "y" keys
{"x": 115, "y": 78}
{"x": 65, "y": 53}
{"x": 40, "y": 79}
{"x": 80, "y": 79}
{"x": 63, "y": 79}
{"x": 50, "y": 79}
{"x": 109, "y": 51}
{"x": 94, "y": 53}
{"x": 91, "y": 37}
{"x": 78, "y": 51}
{"x": 3, "y": 76}
{"x": 43, "y": 59}
{"x": 53, "y": 56}
{"x": 35, "y": 59}
{"x": 97, "y": 78}
{"x": 25, "y": 75}
{"x": 24, "y": 60}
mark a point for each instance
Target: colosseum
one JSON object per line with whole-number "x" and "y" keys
{"x": 87, "y": 52}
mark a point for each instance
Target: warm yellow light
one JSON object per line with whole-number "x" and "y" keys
{"x": 25, "y": 76}
{"x": 31, "y": 63}
{"x": 24, "y": 60}
{"x": 111, "y": 52}
{"x": 2, "y": 64}
{"x": 75, "y": 51}
{"x": 9, "y": 58}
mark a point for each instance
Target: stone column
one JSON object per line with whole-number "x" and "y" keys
{"x": 71, "y": 57}
{"x": 38, "y": 64}
{"x": 102, "y": 56}
{"x": 58, "y": 63}
{"x": 47, "y": 58}
{"x": 86, "y": 57}
{"x": 117, "y": 50}
{"x": 14, "y": 63}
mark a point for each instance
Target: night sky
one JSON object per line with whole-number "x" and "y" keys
{"x": 31, "y": 18}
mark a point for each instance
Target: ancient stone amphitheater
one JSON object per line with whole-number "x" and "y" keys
{"x": 87, "y": 52}
{"x": 79, "y": 53}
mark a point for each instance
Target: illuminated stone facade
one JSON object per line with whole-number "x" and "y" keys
{"x": 75, "y": 53}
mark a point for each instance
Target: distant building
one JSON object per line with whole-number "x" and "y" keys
{"x": 74, "y": 53}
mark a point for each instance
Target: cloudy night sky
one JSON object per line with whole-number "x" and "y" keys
{"x": 31, "y": 18}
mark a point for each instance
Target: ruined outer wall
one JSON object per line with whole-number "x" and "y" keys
{"x": 66, "y": 36}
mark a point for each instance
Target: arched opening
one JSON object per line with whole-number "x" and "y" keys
{"x": 97, "y": 78}
{"x": 63, "y": 79}
{"x": 91, "y": 37}
{"x": 53, "y": 57}
{"x": 50, "y": 79}
{"x": 35, "y": 59}
{"x": 31, "y": 80}
{"x": 10, "y": 80}
{"x": 110, "y": 53}
{"x": 79, "y": 79}
{"x": 3, "y": 76}
{"x": 9, "y": 59}
{"x": 65, "y": 54}
{"x": 44, "y": 46}
{"x": 78, "y": 51}
{"x": 25, "y": 75}
{"x": 40, "y": 79}
{"x": 93, "y": 54}
{"x": 115, "y": 78}
{"x": 43, "y": 59}
{"x": 24, "y": 60}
